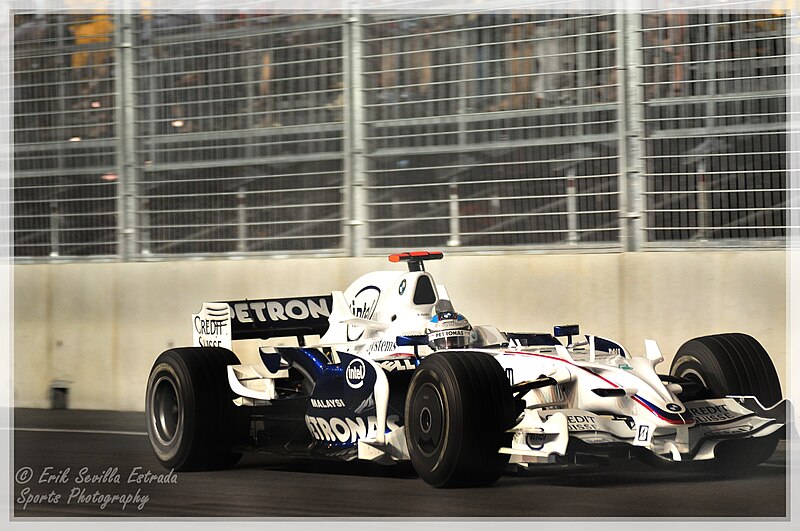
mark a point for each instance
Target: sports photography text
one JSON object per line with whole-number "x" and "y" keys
{"x": 104, "y": 488}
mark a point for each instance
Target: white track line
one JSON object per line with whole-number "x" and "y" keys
{"x": 93, "y": 432}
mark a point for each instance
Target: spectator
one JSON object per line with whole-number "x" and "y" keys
{"x": 676, "y": 50}
{"x": 332, "y": 71}
{"x": 382, "y": 46}
{"x": 32, "y": 106}
{"x": 447, "y": 39}
{"x": 264, "y": 105}
{"x": 389, "y": 62}
{"x": 405, "y": 64}
{"x": 91, "y": 65}
{"x": 91, "y": 62}
{"x": 177, "y": 71}
{"x": 651, "y": 55}
{"x": 259, "y": 65}
{"x": 296, "y": 69}
{"x": 553, "y": 49}
{"x": 418, "y": 59}
{"x": 223, "y": 86}
{"x": 605, "y": 43}
{"x": 521, "y": 66}
{"x": 29, "y": 32}
{"x": 665, "y": 37}
{"x": 482, "y": 59}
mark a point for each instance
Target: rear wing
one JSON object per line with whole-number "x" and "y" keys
{"x": 219, "y": 323}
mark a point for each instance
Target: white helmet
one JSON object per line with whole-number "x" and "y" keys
{"x": 448, "y": 329}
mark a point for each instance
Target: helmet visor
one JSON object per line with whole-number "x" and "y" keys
{"x": 448, "y": 339}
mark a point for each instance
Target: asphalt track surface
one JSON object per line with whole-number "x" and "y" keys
{"x": 73, "y": 464}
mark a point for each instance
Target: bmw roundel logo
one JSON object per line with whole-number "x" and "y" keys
{"x": 674, "y": 407}
{"x": 402, "y": 286}
{"x": 355, "y": 373}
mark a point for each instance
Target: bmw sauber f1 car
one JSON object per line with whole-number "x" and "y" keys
{"x": 396, "y": 374}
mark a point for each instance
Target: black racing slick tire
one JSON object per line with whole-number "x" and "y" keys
{"x": 732, "y": 365}
{"x": 458, "y": 409}
{"x": 192, "y": 421}
{"x": 729, "y": 364}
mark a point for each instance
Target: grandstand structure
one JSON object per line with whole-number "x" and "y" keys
{"x": 154, "y": 135}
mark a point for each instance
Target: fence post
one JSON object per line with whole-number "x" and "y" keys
{"x": 355, "y": 150}
{"x": 630, "y": 95}
{"x": 55, "y": 229}
{"x": 126, "y": 161}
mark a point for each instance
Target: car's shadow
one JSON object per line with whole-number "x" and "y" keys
{"x": 312, "y": 465}
{"x": 614, "y": 472}
{"x": 634, "y": 472}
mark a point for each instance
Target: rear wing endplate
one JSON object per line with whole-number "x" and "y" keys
{"x": 219, "y": 323}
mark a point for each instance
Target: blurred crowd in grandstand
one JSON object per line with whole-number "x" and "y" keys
{"x": 236, "y": 70}
{"x": 444, "y": 97}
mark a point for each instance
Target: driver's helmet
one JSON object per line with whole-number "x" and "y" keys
{"x": 448, "y": 329}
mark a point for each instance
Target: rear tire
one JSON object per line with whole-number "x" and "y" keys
{"x": 192, "y": 422}
{"x": 732, "y": 364}
{"x": 458, "y": 408}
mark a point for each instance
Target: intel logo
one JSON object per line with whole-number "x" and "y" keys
{"x": 355, "y": 373}
{"x": 535, "y": 441}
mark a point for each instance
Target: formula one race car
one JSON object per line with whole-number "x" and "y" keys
{"x": 398, "y": 375}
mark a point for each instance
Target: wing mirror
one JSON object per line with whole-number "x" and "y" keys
{"x": 411, "y": 341}
{"x": 566, "y": 331}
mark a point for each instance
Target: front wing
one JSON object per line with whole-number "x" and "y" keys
{"x": 542, "y": 435}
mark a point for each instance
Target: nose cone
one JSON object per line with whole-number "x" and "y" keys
{"x": 653, "y": 396}
{"x": 668, "y": 412}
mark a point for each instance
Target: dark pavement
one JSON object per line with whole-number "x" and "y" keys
{"x": 96, "y": 463}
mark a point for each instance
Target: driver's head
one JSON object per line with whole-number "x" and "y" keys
{"x": 448, "y": 329}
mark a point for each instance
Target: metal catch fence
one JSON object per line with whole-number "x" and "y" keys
{"x": 491, "y": 130}
{"x": 715, "y": 128}
{"x": 179, "y": 134}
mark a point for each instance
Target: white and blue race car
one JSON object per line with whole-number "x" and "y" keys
{"x": 398, "y": 375}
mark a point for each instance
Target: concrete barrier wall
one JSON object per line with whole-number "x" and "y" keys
{"x": 97, "y": 327}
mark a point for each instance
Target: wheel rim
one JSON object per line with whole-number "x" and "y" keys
{"x": 166, "y": 410}
{"x": 690, "y": 372}
{"x": 690, "y": 368}
{"x": 428, "y": 419}
{"x": 693, "y": 375}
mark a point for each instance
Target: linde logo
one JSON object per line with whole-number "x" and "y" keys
{"x": 364, "y": 309}
{"x": 355, "y": 373}
{"x": 362, "y": 306}
{"x": 275, "y": 310}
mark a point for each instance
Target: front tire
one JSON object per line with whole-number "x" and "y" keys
{"x": 732, "y": 364}
{"x": 192, "y": 422}
{"x": 458, "y": 408}
{"x": 729, "y": 364}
